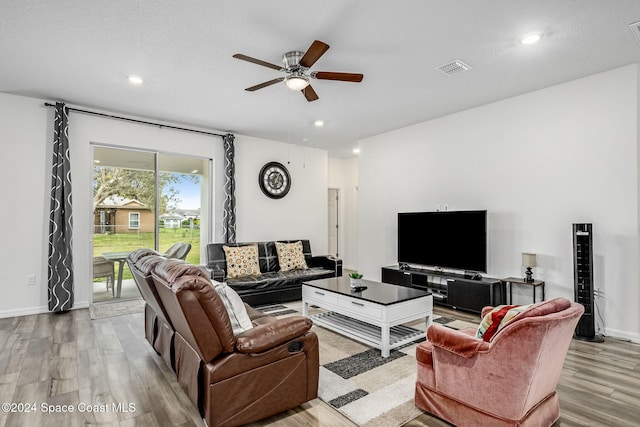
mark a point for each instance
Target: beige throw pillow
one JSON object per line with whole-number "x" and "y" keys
{"x": 290, "y": 256}
{"x": 241, "y": 260}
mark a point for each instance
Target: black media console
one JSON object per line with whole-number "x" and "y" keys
{"x": 449, "y": 289}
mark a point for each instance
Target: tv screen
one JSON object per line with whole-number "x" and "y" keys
{"x": 446, "y": 239}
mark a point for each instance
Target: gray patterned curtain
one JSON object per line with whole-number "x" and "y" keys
{"x": 229, "y": 215}
{"x": 60, "y": 220}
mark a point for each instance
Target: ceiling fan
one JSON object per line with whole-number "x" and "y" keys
{"x": 296, "y": 64}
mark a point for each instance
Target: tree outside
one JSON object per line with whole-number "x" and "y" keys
{"x": 139, "y": 185}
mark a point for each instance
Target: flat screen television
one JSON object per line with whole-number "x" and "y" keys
{"x": 446, "y": 239}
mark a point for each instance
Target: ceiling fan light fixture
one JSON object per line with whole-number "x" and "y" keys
{"x": 530, "y": 38}
{"x": 297, "y": 82}
{"x": 296, "y": 65}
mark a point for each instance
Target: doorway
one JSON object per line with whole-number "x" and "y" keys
{"x": 333, "y": 199}
{"x": 144, "y": 199}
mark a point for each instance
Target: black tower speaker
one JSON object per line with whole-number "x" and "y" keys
{"x": 583, "y": 281}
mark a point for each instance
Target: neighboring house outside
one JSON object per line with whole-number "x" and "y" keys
{"x": 192, "y": 215}
{"x": 177, "y": 218}
{"x": 121, "y": 215}
{"x": 172, "y": 220}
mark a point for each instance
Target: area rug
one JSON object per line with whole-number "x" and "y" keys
{"x": 112, "y": 309}
{"x": 276, "y": 309}
{"x": 453, "y": 323}
{"x": 358, "y": 382}
{"x": 367, "y": 388}
{"x": 362, "y": 385}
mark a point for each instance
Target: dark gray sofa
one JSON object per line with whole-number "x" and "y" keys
{"x": 272, "y": 285}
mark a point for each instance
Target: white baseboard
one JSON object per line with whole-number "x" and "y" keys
{"x": 622, "y": 335}
{"x": 27, "y": 311}
{"x": 23, "y": 311}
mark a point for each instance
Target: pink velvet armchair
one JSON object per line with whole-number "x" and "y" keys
{"x": 508, "y": 381}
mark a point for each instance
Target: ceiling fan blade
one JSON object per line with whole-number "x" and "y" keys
{"x": 257, "y": 61}
{"x": 309, "y": 93}
{"x": 343, "y": 77}
{"x": 315, "y": 51}
{"x": 265, "y": 84}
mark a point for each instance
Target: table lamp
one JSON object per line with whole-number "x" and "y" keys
{"x": 528, "y": 260}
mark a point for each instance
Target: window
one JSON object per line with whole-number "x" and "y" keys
{"x": 145, "y": 189}
{"x": 134, "y": 220}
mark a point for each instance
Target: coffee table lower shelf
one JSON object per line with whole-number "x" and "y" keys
{"x": 366, "y": 333}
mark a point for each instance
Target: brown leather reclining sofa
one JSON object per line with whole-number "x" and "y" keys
{"x": 232, "y": 380}
{"x": 158, "y": 329}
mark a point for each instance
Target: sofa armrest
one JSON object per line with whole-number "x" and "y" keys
{"x": 215, "y": 273}
{"x": 456, "y": 342}
{"x": 328, "y": 262}
{"x": 264, "y": 337}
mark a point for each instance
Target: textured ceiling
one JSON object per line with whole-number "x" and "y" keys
{"x": 81, "y": 52}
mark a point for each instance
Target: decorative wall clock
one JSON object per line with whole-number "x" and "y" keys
{"x": 274, "y": 180}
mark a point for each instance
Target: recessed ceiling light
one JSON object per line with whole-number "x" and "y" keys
{"x": 96, "y": 161}
{"x": 356, "y": 150}
{"x": 136, "y": 80}
{"x": 194, "y": 171}
{"x": 531, "y": 38}
{"x": 319, "y": 123}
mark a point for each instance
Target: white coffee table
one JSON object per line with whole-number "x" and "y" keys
{"x": 374, "y": 316}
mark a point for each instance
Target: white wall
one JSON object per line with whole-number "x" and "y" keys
{"x": 301, "y": 214}
{"x": 538, "y": 163}
{"x": 24, "y": 215}
{"x": 343, "y": 175}
{"x": 28, "y": 129}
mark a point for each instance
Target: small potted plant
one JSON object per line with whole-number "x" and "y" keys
{"x": 355, "y": 279}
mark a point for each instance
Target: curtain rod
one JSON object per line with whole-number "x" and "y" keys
{"x": 110, "y": 116}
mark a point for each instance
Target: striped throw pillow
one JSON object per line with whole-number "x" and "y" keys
{"x": 497, "y": 319}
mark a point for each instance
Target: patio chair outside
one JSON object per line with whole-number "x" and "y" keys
{"x": 178, "y": 250}
{"x": 102, "y": 267}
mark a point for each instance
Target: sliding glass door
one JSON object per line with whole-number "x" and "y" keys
{"x": 184, "y": 184}
{"x": 144, "y": 199}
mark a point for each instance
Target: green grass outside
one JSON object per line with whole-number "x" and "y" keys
{"x": 122, "y": 242}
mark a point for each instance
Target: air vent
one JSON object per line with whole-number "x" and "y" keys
{"x": 635, "y": 28}
{"x": 453, "y": 68}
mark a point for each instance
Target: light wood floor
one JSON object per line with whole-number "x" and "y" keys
{"x": 69, "y": 359}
